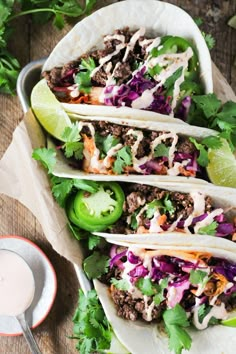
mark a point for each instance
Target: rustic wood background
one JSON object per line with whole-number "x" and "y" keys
{"x": 30, "y": 42}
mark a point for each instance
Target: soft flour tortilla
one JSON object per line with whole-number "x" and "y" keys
{"x": 140, "y": 337}
{"x": 222, "y": 197}
{"x": 159, "y": 18}
{"x": 64, "y": 169}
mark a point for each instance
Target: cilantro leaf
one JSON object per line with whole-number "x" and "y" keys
{"x": 171, "y": 80}
{"x": 161, "y": 150}
{"x": 61, "y": 188}
{"x": 78, "y": 233}
{"x": 93, "y": 241}
{"x": 168, "y": 205}
{"x": 212, "y": 142}
{"x": 209, "y": 39}
{"x": 47, "y": 157}
{"x": 83, "y": 77}
{"x": 134, "y": 222}
{"x": 96, "y": 265}
{"x": 209, "y": 104}
{"x": 109, "y": 142}
{"x": 203, "y": 154}
{"x": 121, "y": 284}
{"x": 155, "y": 70}
{"x": 228, "y": 112}
{"x": 175, "y": 319}
{"x": 123, "y": 159}
{"x": 146, "y": 286}
{"x": 198, "y": 21}
{"x": 104, "y": 144}
{"x": 197, "y": 276}
{"x": 73, "y": 146}
{"x": 159, "y": 297}
{"x": 152, "y": 207}
{"x": 209, "y": 229}
{"x": 91, "y": 326}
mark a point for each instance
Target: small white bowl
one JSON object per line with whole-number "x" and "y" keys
{"x": 45, "y": 284}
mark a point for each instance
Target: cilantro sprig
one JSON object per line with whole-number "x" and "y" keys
{"x": 96, "y": 265}
{"x": 123, "y": 159}
{"x": 41, "y": 12}
{"x": 176, "y": 321}
{"x": 83, "y": 78}
{"x": 73, "y": 146}
{"x": 91, "y": 326}
{"x": 208, "y": 111}
{"x": 210, "y": 142}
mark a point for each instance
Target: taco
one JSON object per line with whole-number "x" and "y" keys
{"x": 157, "y": 213}
{"x": 154, "y": 62}
{"x": 158, "y": 293}
{"x": 114, "y": 147}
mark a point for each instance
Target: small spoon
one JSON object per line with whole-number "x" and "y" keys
{"x": 17, "y": 288}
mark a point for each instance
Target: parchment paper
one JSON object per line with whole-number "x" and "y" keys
{"x": 24, "y": 179}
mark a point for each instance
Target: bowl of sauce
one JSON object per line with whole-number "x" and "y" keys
{"x": 23, "y": 265}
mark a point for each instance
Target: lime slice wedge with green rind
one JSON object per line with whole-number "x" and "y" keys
{"x": 222, "y": 166}
{"x": 230, "y": 321}
{"x": 48, "y": 110}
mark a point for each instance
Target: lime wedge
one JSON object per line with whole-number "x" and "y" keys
{"x": 230, "y": 321}
{"x": 48, "y": 110}
{"x": 222, "y": 166}
{"x": 232, "y": 22}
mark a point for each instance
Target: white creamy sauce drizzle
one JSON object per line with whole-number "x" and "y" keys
{"x": 91, "y": 163}
{"x": 154, "y": 227}
{"x": 208, "y": 220}
{"x": 219, "y": 312}
{"x": 138, "y": 216}
{"x": 155, "y": 43}
{"x": 147, "y": 312}
{"x": 132, "y": 42}
{"x": 170, "y": 63}
{"x": 107, "y": 161}
{"x": 172, "y": 149}
{"x": 174, "y": 225}
{"x": 174, "y": 171}
{"x": 198, "y": 203}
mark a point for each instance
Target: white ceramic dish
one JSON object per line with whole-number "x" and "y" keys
{"x": 45, "y": 284}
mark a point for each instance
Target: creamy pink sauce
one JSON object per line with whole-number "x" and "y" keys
{"x": 16, "y": 284}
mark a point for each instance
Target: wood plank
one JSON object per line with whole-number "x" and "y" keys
{"x": 32, "y": 42}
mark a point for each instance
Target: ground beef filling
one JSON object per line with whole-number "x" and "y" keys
{"x": 103, "y": 128}
{"x": 60, "y": 76}
{"x": 133, "y": 309}
{"x": 137, "y": 195}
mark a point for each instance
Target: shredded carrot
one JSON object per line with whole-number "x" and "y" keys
{"x": 185, "y": 255}
{"x": 220, "y": 284}
{"x": 187, "y": 173}
{"x": 89, "y": 144}
{"x": 142, "y": 230}
{"x": 162, "y": 219}
{"x": 80, "y": 99}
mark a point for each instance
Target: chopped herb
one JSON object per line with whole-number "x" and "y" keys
{"x": 152, "y": 207}
{"x": 73, "y": 146}
{"x": 161, "y": 150}
{"x": 96, "y": 265}
{"x": 104, "y": 144}
{"x": 197, "y": 276}
{"x": 209, "y": 104}
{"x": 146, "y": 286}
{"x": 155, "y": 70}
{"x": 209, "y": 39}
{"x": 47, "y": 157}
{"x": 209, "y": 229}
{"x": 203, "y": 154}
{"x": 83, "y": 78}
{"x": 123, "y": 159}
{"x": 134, "y": 223}
{"x": 121, "y": 284}
{"x": 91, "y": 326}
{"x": 175, "y": 320}
{"x": 159, "y": 297}
{"x": 168, "y": 205}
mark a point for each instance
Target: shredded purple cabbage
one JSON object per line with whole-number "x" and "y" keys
{"x": 184, "y": 108}
{"x": 132, "y": 258}
{"x": 225, "y": 229}
{"x": 139, "y": 272}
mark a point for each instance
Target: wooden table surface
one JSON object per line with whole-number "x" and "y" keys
{"x": 31, "y": 42}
